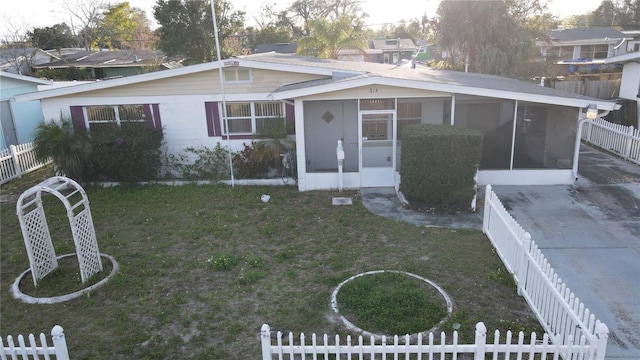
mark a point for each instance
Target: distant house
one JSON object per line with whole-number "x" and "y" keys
{"x": 630, "y": 83}
{"x": 584, "y": 43}
{"x": 18, "y": 120}
{"x": 281, "y": 48}
{"x": 393, "y": 50}
{"x": 633, "y": 42}
{"x": 20, "y": 60}
{"x": 529, "y": 130}
{"x": 110, "y": 63}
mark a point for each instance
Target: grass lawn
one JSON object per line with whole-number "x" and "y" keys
{"x": 203, "y": 267}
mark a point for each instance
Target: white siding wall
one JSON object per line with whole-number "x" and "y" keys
{"x": 630, "y": 81}
{"x": 183, "y": 117}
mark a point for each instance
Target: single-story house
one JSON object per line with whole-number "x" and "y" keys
{"x": 393, "y": 50}
{"x": 18, "y": 121}
{"x": 110, "y": 63}
{"x": 630, "y": 83}
{"x": 529, "y": 130}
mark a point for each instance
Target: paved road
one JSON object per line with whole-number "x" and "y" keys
{"x": 590, "y": 233}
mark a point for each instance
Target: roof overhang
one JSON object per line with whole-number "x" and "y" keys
{"x": 629, "y": 57}
{"x": 347, "y": 84}
{"x": 159, "y": 75}
{"x": 25, "y": 78}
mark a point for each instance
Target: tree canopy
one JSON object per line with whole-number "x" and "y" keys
{"x": 186, "y": 28}
{"x": 57, "y": 36}
{"x": 328, "y": 37}
{"x": 489, "y": 37}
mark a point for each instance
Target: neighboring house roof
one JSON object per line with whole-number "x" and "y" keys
{"x": 392, "y": 44}
{"x": 594, "y": 35}
{"x": 347, "y": 74}
{"x": 28, "y": 79}
{"x": 17, "y": 60}
{"x": 625, "y": 58}
{"x": 107, "y": 59}
{"x": 283, "y": 48}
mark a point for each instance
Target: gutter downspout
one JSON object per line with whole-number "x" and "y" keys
{"x": 576, "y": 149}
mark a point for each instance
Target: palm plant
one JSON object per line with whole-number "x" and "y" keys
{"x": 273, "y": 142}
{"x": 69, "y": 150}
{"x": 329, "y": 37}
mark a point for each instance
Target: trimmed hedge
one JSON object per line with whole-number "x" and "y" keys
{"x": 438, "y": 165}
{"x": 130, "y": 153}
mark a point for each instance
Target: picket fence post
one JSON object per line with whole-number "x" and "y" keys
{"x": 487, "y": 209}
{"x": 14, "y": 157}
{"x": 59, "y": 343}
{"x": 602, "y": 335}
{"x": 481, "y": 341}
{"x": 523, "y": 266}
{"x": 629, "y": 142}
{"x": 265, "y": 340}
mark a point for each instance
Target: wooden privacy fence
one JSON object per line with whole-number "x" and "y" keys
{"x": 11, "y": 350}
{"x": 557, "y": 308}
{"x": 602, "y": 89}
{"x": 421, "y": 347}
{"x": 620, "y": 139}
{"x": 18, "y": 160}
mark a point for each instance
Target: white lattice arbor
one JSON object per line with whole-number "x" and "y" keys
{"x": 35, "y": 231}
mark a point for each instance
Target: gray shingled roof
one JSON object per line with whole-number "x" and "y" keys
{"x": 447, "y": 77}
{"x": 129, "y": 58}
{"x": 283, "y": 48}
{"x": 595, "y": 33}
{"x": 392, "y": 44}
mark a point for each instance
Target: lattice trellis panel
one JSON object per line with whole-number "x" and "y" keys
{"x": 42, "y": 256}
{"x": 35, "y": 231}
{"x": 84, "y": 236}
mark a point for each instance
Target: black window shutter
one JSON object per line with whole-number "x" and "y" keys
{"x": 77, "y": 118}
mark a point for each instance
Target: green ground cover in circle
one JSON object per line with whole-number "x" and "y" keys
{"x": 391, "y": 303}
{"x": 63, "y": 280}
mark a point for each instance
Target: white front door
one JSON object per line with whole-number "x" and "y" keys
{"x": 377, "y": 144}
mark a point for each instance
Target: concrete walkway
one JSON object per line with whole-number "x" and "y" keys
{"x": 589, "y": 232}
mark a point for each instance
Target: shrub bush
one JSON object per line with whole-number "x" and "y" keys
{"x": 247, "y": 165}
{"x": 127, "y": 153}
{"x": 210, "y": 164}
{"x": 438, "y": 165}
{"x": 69, "y": 150}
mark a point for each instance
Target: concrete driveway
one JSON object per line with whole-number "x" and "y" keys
{"x": 590, "y": 233}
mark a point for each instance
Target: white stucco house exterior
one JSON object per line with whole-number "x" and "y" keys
{"x": 529, "y": 130}
{"x": 630, "y": 83}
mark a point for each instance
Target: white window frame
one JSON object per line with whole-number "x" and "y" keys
{"x": 235, "y": 79}
{"x": 116, "y": 111}
{"x": 254, "y": 117}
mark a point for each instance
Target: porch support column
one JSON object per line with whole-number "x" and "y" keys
{"x": 301, "y": 154}
{"x": 513, "y": 136}
{"x": 453, "y": 108}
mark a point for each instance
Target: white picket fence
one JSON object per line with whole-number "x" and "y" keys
{"x": 557, "y": 308}
{"x": 620, "y": 139}
{"x": 422, "y": 347}
{"x": 34, "y": 351}
{"x": 18, "y": 160}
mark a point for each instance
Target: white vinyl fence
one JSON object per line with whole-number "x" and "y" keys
{"x": 33, "y": 350}
{"x": 18, "y": 160}
{"x": 620, "y": 139}
{"x": 420, "y": 347}
{"x": 558, "y": 309}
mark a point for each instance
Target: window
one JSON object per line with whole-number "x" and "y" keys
{"x": 234, "y": 76}
{"x": 408, "y": 113}
{"x": 594, "y": 51}
{"x": 107, "y": 116}
{"x": 250, "y": 117}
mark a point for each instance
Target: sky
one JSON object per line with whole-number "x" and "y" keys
{"x": 27, "y": 14}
